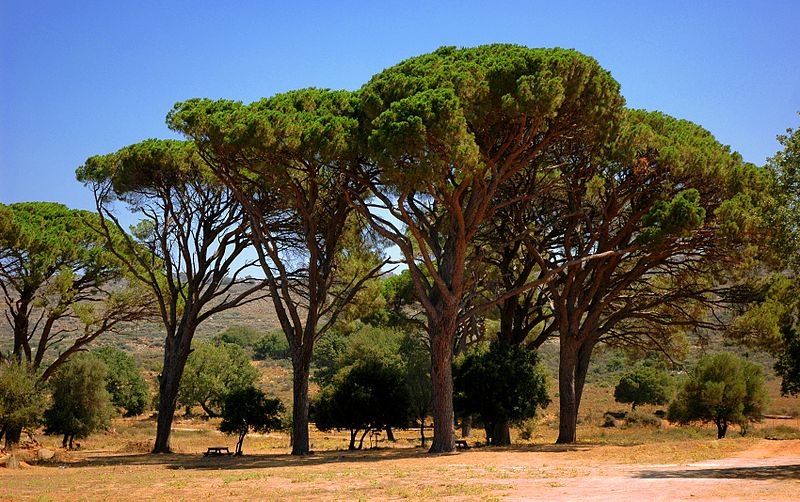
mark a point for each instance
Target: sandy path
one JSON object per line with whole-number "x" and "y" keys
{"x": 768, "y": 471}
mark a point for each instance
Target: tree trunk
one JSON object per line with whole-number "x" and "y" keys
{"x": 722, "y": 429}
{"x": 239, "y": 444}
{"x": 301, "y": 364}
{"x": 176, "y": 352}
{"x": 501, "y": 433}
{"x": 390, "y": 434}
{"x": 352, "y": 445}
{"x": 13, "y": 435}
{"x": 444, "y": 439}
{"x": 361, "y": 441}
{"x": 572, "y": 369}
{"x": 422, "y": 432}
{"x": 466, "y": 426}
{"x": 210, "y": 412}
{"x": 567, "y": 404}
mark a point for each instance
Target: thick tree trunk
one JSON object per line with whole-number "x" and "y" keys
{"x": 176, "y": 352}
{"x": 501, "y": 433}
{"x": 239, "y": 444}
{"x": 422, "y": 432}
{"x": 390, "y": 434}
{"x": 567, "y": 403}
{"x": 301, "y": 364}
{"x": 572, "y": 369}
{"x": 353, "y": 433}
{"x": 13, "y": 435}
{"x": 722, "y": 429}
{"x": 444, "y": 439}
{"x": 466, "y": 426}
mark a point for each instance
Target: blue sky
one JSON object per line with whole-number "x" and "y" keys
{"x": 84, "y": 78}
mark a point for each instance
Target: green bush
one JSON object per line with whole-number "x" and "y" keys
{"x": 639, "y": 419}
{"x": 271, "y": 346}
{"x": 502, "y": 385}
{"x": 369, "y": 395}
{"x": 722, "y": 389}
{"x": 247, "y": 409}
{"x": 22, "y": 401}
{"x": 243, "y": 336}
{"x": 124, "y": 381}
{"x": 212, "y": 371}
{"x": 81, "y": 404}
{"x": 644, "y": 385}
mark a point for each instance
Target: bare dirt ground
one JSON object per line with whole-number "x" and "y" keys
{"x": 741, "y": 469}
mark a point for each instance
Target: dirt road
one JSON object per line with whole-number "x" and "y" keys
{"x": 768, "y": 471}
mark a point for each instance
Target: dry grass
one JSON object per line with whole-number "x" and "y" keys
{"x": 115, "y": 465}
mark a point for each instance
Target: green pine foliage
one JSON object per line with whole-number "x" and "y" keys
{"x": 644, "y": 385}
{"x": 722, "y": 389}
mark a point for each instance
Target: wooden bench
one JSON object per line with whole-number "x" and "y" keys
{"x": 461, "y": 444}
{"x": 217, "y": 450}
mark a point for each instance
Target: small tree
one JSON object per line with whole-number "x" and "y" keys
{"x": 22, "y": 401}
{"x": 417, "y": 365}
{"x": 271, "y": 346}
{"x": 369, "y": 395}
{"x": 212, "y": 371}
{"x": 248, "y": 409}
{"x": 243, "y": 336}
{"x": 81, "y": 404}
{"x": 644, "y": 385}
{"x": 723, "y": 389}
{"x": 125, "y": 383}
{"x": 502, "y": 385}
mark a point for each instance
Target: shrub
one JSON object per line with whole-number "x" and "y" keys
{"x": 722, "y": 389}
{"x": 212, "y": 371}
{"x": 644, "y": 385}
{"x": 243, "y": 336}
{"x": 502, "y": 385}
{"x": 81, "y": 404}
{"x": 247, "y": 409}
{"x": 22, "y": 401}
{"x": 271, "y": 346}
{"x": 369, "y": 395}
{"x": 637, "y": 418}
{"x": 124, "y": 381}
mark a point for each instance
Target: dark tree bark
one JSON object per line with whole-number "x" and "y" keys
{"x": 466, "y": 426}
{"x": 501, "y": 433}
{"x": 301, "y": 365}
{"x": 13, "y": 435}
{"x": 444, "y": 439}
{"x": 176, "y": 354}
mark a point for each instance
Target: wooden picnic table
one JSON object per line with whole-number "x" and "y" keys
{"x": 217, "y": 450}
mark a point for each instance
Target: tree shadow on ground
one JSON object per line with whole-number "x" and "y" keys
{"x": 252, "y": 461}
{"x": 283, "y": 460}
{"x": 764, "y": 473}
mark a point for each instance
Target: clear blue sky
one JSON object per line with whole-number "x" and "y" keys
{"x": 80, "y": 78}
